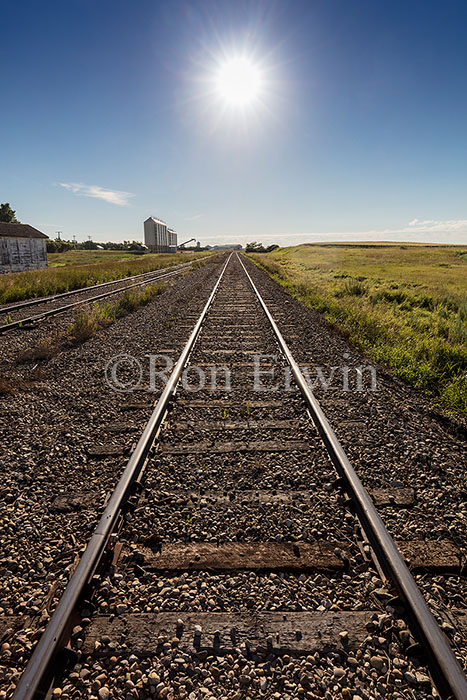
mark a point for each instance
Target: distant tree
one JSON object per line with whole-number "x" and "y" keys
{"x": 59, "y": 245}
{"x": 111, "y": 246}
{"x": 254, "y": 247}
{"x": 259, "y": 248}
{"x": 135, "y": 245}
{"x": 7, "y": 214}
{"x": 89, "y": 245}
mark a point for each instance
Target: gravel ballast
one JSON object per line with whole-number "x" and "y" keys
{"x": 59, "y": 416}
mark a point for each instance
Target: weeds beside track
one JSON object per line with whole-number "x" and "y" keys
{"x": 404, "y": 306}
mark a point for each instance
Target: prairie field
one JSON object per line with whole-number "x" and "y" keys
{"x": 404, "y": 305}
{"x": 83, "y": 268}
{"x": 87, "y": 257}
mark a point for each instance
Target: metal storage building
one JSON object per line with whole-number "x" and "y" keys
{"x": 172, "y": 240}
{"x": 22, "y": 247}
{"x": 158, "y": 238}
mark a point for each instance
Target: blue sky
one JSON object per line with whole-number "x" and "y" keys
{"x": 359, "y": 130}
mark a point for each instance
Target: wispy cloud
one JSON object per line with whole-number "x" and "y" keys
{"x": 194, "y": 217}
{"x": 430, "y": 225}
{"x": 416, "y": 229}
{"x": 117, "y": 197}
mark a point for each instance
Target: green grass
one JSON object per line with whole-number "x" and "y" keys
{"x": 87, "y": 321}
{"x": 405, "y": 305}
{"x": 78, "y": 269}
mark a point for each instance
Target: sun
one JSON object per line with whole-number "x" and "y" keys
{"x": 238, "y": 81}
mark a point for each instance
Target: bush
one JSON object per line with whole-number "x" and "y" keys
{"x": 353, "y": 288}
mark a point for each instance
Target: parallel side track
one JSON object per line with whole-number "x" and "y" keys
{"x": 26, "y": 322}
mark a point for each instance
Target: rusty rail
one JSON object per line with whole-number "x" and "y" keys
{"x": 447, "y": 672}
{"x": 57, "y": 629}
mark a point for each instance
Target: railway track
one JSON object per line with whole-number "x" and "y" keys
{"x": 26, "y": 322}
{"x": 230, "y": 561}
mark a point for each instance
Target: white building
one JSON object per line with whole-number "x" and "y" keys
{"x": 172, "y": 240}
{"x": 22, "y": 247}
{"x": 158, "y": 238}
{"x": 155, "y": 235}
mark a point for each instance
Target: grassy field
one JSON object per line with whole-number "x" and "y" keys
{"x": 405, "y": 305}
{"x": 83, "y": 268}
{"x": 87, "y": 257}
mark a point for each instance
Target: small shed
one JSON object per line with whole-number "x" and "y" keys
{"x": 22, "y": 247}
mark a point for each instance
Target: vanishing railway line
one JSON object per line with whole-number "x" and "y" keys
{"x": 26, "y": 322}
{"x": 229, "y": 543}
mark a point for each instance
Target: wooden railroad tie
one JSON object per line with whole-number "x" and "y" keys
{"x": 261, "y": 632}
{"x": 228, "y": 447}
{"x": 297, "y": 557}
{"x": 245, "y": 556}
{"x": 67, "y": 502}
{"x": 393, "y": 496}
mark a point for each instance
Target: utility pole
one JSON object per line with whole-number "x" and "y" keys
{"x": 58, "y": 234}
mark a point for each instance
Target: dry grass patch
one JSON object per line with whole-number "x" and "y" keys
{"x": 10, "y": 385}
{"x": 7, "y": 386}
{"x": 43, "y": 352}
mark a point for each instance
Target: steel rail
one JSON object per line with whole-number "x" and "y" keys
{"x": 448, "y": 674}
{"x": 7, "y": 308}
{"x": 54, "y": 635}
{"x": 56, "y": 312}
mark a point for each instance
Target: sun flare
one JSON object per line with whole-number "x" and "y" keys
{"x": 239, "y": 81}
